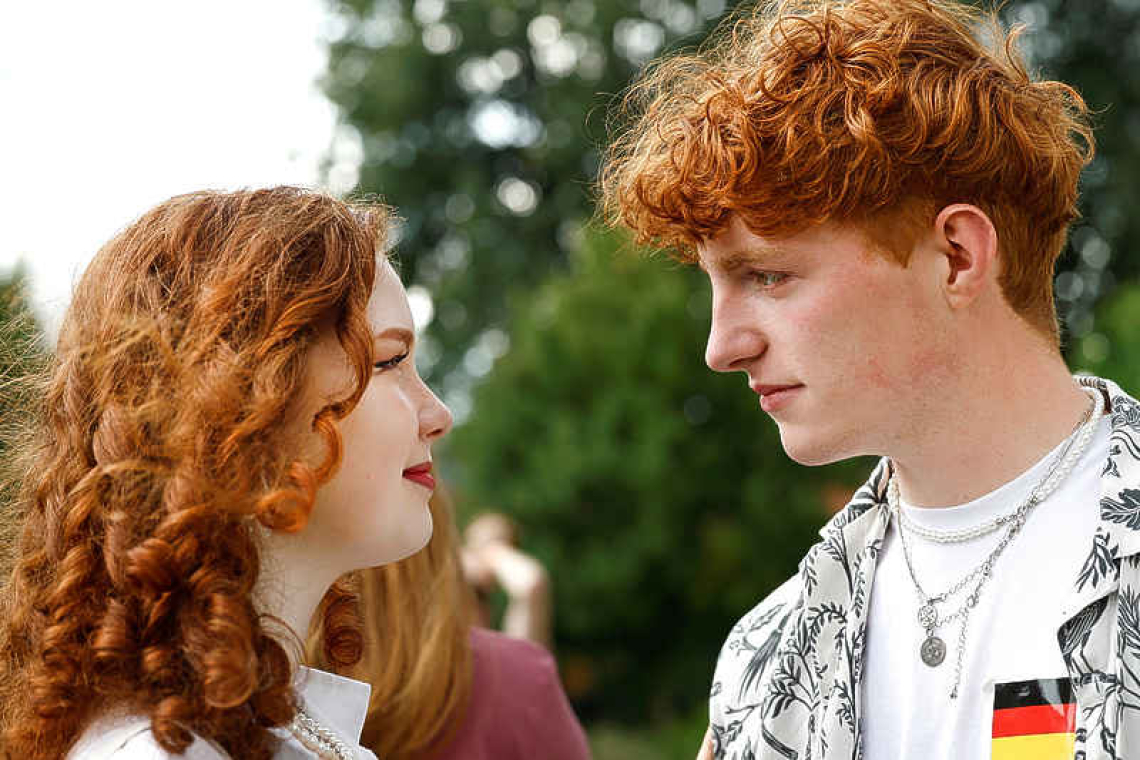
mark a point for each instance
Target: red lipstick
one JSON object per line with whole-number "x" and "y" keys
{"x": 421, "y": 473}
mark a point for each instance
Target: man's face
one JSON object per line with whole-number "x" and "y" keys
{"x": 843, "y": 346}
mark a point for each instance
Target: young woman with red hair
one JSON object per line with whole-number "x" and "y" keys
{"x": 232, "y": 421}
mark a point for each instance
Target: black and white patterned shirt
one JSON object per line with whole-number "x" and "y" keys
{"x": 787, "y": 683}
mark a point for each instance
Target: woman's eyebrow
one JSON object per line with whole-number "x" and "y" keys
{"x": 397, "y": 333}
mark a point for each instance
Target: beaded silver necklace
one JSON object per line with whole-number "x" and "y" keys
{"x": 933, "y": 648}
{"x": 319, "y": 738}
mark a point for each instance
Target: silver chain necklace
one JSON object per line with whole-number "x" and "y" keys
{"x": 319, "y": 738}
{"x": 933, "y": 649}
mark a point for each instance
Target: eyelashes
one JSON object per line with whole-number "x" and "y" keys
{"x": 392, "y": 363}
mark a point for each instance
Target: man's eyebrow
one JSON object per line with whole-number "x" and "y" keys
{"x": 741, "y": 258}
{"x": 397, "y": 333}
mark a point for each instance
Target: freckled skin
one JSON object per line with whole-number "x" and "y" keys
{"x": 859, "y": 332}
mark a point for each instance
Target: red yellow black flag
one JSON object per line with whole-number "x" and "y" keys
{"x": 1034, "y": 720}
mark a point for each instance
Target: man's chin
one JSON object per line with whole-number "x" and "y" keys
{"x": 810, "y": 450}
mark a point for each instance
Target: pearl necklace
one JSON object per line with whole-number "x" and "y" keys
{"x": 319, "y": 738}
{"x": 933, "y": 649}
{"x": 960, "y": 535}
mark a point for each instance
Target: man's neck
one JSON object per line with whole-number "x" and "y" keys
{"x": 982, "y": 433}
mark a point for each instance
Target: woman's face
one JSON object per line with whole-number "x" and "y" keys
{"x": 374, "y": 509}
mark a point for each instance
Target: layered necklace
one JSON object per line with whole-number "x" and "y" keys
{"x": 933, "y": 648}
{"x": 319, "y": 738}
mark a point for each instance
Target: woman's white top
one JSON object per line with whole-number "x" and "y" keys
{"x": 339, "y": 703}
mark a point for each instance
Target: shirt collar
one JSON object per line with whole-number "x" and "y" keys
{"x": 861, "y": 521}
{"x": 1120, "y": 475}
{"x": 339, "y": 701}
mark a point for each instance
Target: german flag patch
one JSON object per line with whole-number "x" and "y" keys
{"x": 1034, "y": 720}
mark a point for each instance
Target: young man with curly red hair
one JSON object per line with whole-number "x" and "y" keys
{"x": 878, "y": 198}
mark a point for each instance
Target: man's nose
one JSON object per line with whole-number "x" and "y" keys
{"x": 734, "y": 339}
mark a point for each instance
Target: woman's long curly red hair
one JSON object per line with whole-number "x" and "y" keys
{"x": 873, "y": 112}
{"x": 157, "y": 447}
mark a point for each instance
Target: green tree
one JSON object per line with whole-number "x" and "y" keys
{"x": 1091, "y": 45}
{"x": 1112, "y": 350}
{"x": 481, "y": 122}
{"x": 656, "y": 492}
{"x": 21, "y": 352}
{"x": 22, "y": 355}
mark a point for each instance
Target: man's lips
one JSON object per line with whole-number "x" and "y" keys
{"x": 421, "y": 474}
{"x": 773, "y": 397}
{"x": 766, "y": 390}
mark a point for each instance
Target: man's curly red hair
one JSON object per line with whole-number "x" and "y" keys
{"x": 872, "y": 112}
{"x": 158, "y": 446}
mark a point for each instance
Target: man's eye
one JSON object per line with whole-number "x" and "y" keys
{"x": 390, "y": 363}
{"x": 769, "y": 279}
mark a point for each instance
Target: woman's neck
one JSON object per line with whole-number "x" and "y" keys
{"x": 291, "y": 583}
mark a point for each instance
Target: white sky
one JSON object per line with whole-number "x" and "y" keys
{"x": 107, "y": 108}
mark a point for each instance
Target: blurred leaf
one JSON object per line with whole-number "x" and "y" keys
{"x": 1113, "y": 349}
{"x": 482, "y": 122}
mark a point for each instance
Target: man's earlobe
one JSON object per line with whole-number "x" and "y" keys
{"x": 968, "y": 240}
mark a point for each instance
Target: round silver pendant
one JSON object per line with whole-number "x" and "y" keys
{"x": 933, "y": 651}
{"x": 927, "y": 616}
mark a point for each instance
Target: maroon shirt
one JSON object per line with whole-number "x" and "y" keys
{"x": 518, "y": 708}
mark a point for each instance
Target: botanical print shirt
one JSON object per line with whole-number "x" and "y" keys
{"x": 787, "y": 683}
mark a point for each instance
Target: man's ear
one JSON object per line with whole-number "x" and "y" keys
{"x": 965, "y": 235}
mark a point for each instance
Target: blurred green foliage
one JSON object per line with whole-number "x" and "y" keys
{"x": 22, "y": 353}
{"x": 482, "y": 123}
{"x": 1091, "y": 45}
{"x": 1113, "y": 349}
{"x": 669, "y": 740}
{"x": 655, "y": 491}
{"x": 22, "y": 357}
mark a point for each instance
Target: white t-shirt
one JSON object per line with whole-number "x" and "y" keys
{"x": 1012, "y": 634}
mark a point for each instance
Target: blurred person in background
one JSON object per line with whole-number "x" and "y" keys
{"x": 878, "y": 192}
{"x": 492, "y": 559}
{"x": 443, "y": 688}
{"x": 232, "y": 420}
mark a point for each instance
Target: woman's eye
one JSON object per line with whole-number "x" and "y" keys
{"x": 390, "y": 363}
